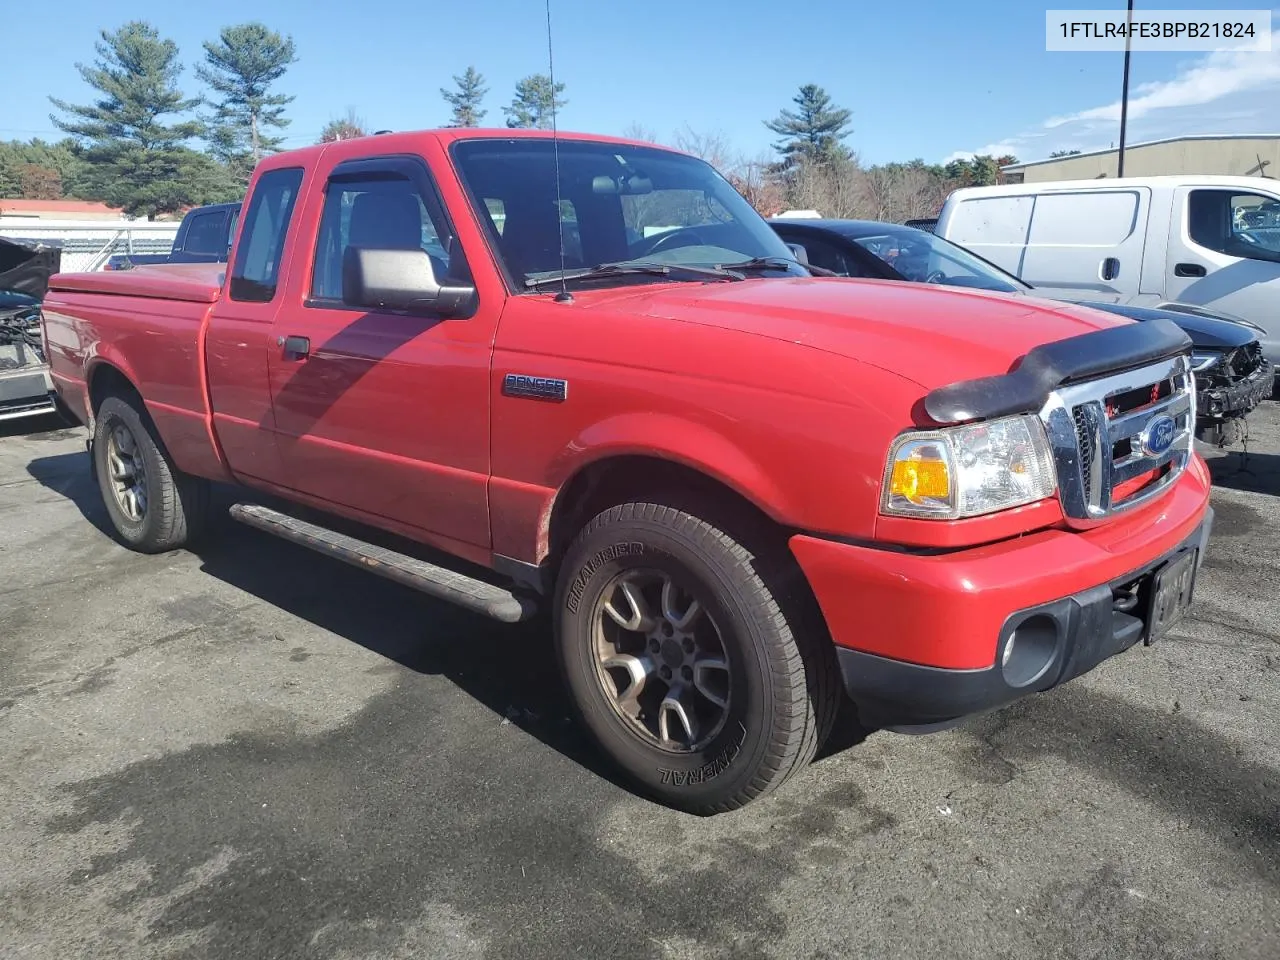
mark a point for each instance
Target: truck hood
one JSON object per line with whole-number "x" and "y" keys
{"x": 932, "y": 335}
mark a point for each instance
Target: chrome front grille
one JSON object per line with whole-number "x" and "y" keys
{"x": 1108, "y": 433}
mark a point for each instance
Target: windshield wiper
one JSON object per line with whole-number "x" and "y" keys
{"x": 623, "y": 267}
{"x": 776, "y": 263}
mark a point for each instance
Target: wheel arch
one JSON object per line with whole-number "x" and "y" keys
{"x": 104, "y": 378}
{"x": 617, "y": 477}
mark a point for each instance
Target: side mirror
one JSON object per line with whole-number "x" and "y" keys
{"x": 400, "y": 280}
{"x": 801, "y": 253}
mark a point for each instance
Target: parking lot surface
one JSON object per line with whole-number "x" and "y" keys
{"x": 253, "y": 751}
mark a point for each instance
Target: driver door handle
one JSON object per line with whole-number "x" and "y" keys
{"x": 295, "y": 348}
{"x": 1188, "y": 270}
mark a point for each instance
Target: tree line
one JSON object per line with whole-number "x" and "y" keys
{"x": 144, "y": 145}
{"x": 147, "y": 147}
{"x": 811, "y": 167}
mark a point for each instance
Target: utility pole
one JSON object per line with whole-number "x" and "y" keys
{"x": 1124, "y": 93}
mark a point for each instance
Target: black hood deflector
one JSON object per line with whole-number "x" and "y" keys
{"x": 1026, "y": 388}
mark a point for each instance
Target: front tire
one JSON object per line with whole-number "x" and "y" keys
{"x": 153, "y": 506}
{"x": 682, "y": 662}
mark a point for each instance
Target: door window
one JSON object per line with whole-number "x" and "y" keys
{"x": 376, "y": 212}
{"x": 255, "y": 274}
{"x": 1238, "y": 224}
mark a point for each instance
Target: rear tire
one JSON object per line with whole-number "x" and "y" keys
{"x": 153, "y": 506}
{"x": 683, "y": 663}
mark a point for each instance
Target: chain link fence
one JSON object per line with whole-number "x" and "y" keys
{"x": 88, "y": 246}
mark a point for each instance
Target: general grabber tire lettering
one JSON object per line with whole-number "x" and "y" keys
{"x": 153, "y": 506}
{"x": 689, "y": 659}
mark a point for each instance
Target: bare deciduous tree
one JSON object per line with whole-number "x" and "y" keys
{"x": 637, "y": 131}
{"x": 762, "y": 189}
{"x": 711, "y": 147}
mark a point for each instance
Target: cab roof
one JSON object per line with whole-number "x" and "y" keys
{"x": 379, "y": 143}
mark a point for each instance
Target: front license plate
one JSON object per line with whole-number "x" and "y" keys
{"x": 1171, "y": 595}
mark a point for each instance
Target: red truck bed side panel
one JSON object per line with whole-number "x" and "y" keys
{"x": 155, "y": 344}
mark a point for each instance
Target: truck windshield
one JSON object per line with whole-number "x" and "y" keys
{"x": 926, "y": 258}
{"x": 618, "y": 203}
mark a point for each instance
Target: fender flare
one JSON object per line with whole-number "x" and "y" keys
{"x": 685, "y": 443}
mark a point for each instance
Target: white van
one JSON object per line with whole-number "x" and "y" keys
{"x": 1205, "y": 240}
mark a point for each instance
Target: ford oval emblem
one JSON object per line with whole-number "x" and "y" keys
{"x": 1158, "y": 436}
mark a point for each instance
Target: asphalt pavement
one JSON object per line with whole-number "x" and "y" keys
{"x": 252, "y": 751}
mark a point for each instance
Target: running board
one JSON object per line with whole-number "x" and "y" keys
{"x": 477, "y": 595}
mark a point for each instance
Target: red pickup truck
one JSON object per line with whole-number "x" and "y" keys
{"x": 586, "y": 372}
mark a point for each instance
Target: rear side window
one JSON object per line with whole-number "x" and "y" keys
{"x": 1093, "y": 219}
{"x": 205, "y": 234}
{"x": 255, "y": 273}
{"x": 385, "y": 212}
{"x": 991, "y": 220}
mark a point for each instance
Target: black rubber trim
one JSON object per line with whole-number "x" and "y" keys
{"x": 1088, "y": 630}
{"x": 1026, "y": 388}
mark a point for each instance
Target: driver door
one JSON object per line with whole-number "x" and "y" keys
{"x": 381, "y": 411}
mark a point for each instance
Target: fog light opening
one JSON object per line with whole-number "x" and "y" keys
{"x": 1029, "y": 650}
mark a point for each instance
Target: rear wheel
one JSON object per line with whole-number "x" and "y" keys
{"x": 682, "y": 662}
{"x": 152, "y": 505}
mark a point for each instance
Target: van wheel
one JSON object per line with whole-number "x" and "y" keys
{"x": 683, "y": 665}
{"x": 152, "y": 505}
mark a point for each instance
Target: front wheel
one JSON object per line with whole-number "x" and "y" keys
{"x": 682, "y": 663}
{"x": 153, "y": 506}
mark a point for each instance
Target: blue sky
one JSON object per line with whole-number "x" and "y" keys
{"x": 928, "y": 79}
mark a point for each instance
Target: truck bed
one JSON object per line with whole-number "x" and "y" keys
{"x": 147, "y": 323}
{"x": 191, "y": 282}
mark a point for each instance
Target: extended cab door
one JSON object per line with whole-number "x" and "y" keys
{"x": 241, "y": 327}
{"x": 1087, "y": 244}
{"x": 1224, "y": 253}
{"x": 381, "y": 412}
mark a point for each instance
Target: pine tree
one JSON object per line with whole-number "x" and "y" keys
{"x": 240, "y": 68}
{"x": 535, "y": 102}
{"x": 814, "y": 132}
{"x": 466, "y": 99}
{"x": 136, "y": 161}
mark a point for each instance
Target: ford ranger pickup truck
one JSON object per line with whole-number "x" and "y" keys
{"x": 578, "y": 374}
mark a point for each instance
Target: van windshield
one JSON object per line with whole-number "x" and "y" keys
{"x": 618, "y": 204}
{"x": 926, "y": 258}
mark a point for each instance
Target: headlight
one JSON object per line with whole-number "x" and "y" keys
{"x": 1204, "y": 359}
{"x": 968, "y": 471}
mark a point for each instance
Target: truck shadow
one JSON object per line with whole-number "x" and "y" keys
{"x": 510, "y": 669}
{"x": 48, "y": 426}
{"x": 1251, "y": 472}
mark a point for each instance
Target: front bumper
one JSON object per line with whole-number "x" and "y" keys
{"x": 1236, "y": 399}
{"x": 1070, "y": 637}
{"x": 920, "y": 636}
